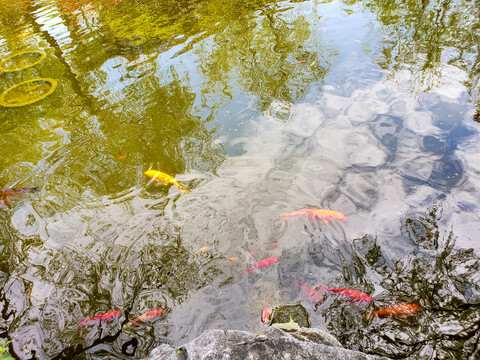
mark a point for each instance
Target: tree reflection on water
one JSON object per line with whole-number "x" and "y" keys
{"x": 142, "y": 84}
{"x": 443, "y": 279}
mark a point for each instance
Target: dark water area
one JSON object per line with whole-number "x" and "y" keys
{"x": 258, "y": 109}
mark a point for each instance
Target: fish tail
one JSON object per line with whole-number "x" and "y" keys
{"x": 370, "y": 315}
{"x": 285, "y": 216}
{"x": 81, "y": 325}
{"x": 246, "y": 271}
{"x": 31, "y": 189}
{"x": 183, "y": 189}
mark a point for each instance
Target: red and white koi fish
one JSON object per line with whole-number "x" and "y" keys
{"x": 14, "y": 191}
{"x": 309, "y": 291}
{"x": 266, "y": 314}
{"x": 100, "y": 318}
{"x": 406, "y": 309}
{"x": 262, "y": 264}
{"x": 146, "y": 317}
{"x": 354, "y": 296}
{"x": 322, "y": 214}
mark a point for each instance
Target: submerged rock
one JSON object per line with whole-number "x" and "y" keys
{"x": 289, "y": 317}
{"x": 272, "y": 344}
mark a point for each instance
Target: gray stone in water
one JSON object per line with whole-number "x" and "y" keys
{"x": 241, "y": 345}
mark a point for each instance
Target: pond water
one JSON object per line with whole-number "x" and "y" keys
{"x": 259, "y": 108}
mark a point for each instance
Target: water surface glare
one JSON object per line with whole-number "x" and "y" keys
{"x": 256, "y": 109}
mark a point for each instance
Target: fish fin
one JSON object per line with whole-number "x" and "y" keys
{"x": 81, "y": 325}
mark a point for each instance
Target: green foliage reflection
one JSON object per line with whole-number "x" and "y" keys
{"x": 426, "y": 35}
{"x": 443, "y": 279}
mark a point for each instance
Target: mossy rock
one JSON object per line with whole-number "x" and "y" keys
{"x": 27, "y": 92}
{"x": 289, "y": 317}
{"x": 21, "y": 60}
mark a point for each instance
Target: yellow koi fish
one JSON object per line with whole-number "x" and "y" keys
{"x": 166, "y": 179}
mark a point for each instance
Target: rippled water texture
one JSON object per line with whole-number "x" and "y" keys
{"x": 258, "y": 109}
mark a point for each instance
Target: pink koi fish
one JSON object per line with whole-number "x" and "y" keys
{"x": 354, "y": 296}
{"x": 100, "y": 318}
{"x": 262, "y": 264}
{"x": 266, "y": 314}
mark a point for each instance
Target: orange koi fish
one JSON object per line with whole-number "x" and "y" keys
{"x": 262, "y": 264}
{"x": 232, "y": 258}
{"x": 166, "y": 179}
{"x": 146, "y": 317}
{"x": 406, "y": 309}
{"x": 275, "y": 245}
{"x": 266, "y": 314}
{"x": 322, "y": 214}
{"x": 309, "y": 291}
{"x": 14, "y": 191}
{"x": 201, "y": 250}
{"x": 354, "y": 296}
{"x": 100, "y": 318}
